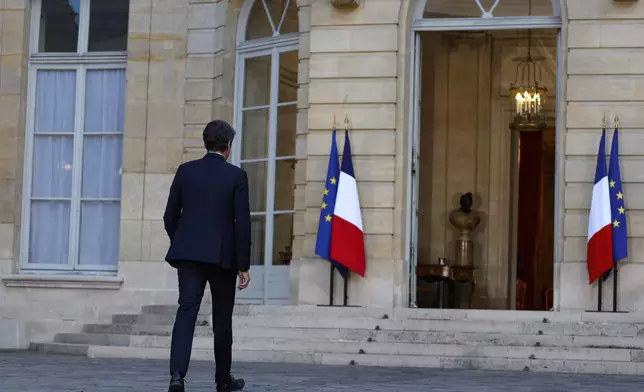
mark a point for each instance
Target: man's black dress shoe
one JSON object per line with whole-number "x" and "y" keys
{"x": 232, "y": 385}
{"x": 176, "y": 383}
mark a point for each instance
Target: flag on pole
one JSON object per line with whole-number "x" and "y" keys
{"x": 347, "y": 237}
{"x": 618, "y": 212}
{"x": 323, "y": 242}
{"x": 599, "y": 251}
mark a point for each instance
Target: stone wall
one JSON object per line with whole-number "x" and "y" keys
{"x": 299, "y": 229}
{"x": 37, "y": 306}
{"x": 180, "y": 75}
{"x": 352, "y": 69}
{"x": 210, "y": 69}
{"x": 14, "y": 25}
{"x": 605, "y": 74}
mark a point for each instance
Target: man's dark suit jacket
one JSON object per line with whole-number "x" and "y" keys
{"x": 208, "y": 216}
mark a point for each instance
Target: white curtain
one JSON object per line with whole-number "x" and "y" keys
{"x": 102, "y": 168}
{"x": 257, "y": 235}
{"x": 100, "y": 182}
{"x": 255, "y": 130}
{"x": 254, "y": 136}
{"x": 52, "y": 167}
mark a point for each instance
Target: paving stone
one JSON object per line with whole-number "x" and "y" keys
{"x": 28, "y": 372}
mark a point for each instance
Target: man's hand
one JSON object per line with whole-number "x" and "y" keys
{"x": 244, "y": 280}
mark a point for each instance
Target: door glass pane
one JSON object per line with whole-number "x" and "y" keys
{"x": 55, "y": 101}
{"x": 256, "y": 172}
{"x": 521, "y": 8}
{"x": 288, "y": 77}
{"x": 102, "y": 166}
{"x": 282, "y": 239}
{"x": 472, "y": 8}
{"x": 279, "y": 11}
{"x": 59, "y": 23}
{"x": 284, "y": 184}
{"x": 99, "y": 233}
{"x": 52, "y": 166}
{"x": 258, "y": 25}
{"x": 257, "y": 81}
{"x": 254, "y": 135}
{"x": 286, "y": 130}
{"x": 49, "y": 232}
{"x": 258, "y": 230}
{"x": 105, "y": 101}
{"x": 283, "y": 12}
{"x": 453, "y": 9}
{"x": 108, "y": 20}
{"x": 290, "y": 23}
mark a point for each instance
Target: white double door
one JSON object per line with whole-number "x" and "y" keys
{"x": 265, "y": 120}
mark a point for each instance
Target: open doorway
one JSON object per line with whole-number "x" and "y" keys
{"x": 534, "y": 211}
{"x": 465, "y": 144}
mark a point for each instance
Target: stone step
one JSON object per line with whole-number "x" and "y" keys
{"x": 111, "y": 335}
{"x": 98, "y": 339}
{"x": 448, "y": 350}
{"x": 434, "y": 361}
{"x": 60, "y": 348}
{"x": 277, "y": 320}
{"x": 156, "y": 319}
{"x": 579, "y": 329}
{"x": 278, "y": 310}
{"x": 530, "y": 328}
{"x": 416, "y": 314}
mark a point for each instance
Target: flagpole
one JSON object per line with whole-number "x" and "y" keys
{"x": 331, "y": 285}
{"x": 615, "y": 280}
{"x": 615, "y": 288}
{"x": 600, "y": 284}
{"x": 599, "y": 294}
{"x": 346, "y": 277}
{"x": 332, "y": 271}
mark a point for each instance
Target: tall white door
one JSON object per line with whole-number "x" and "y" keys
{"x": 266, "y": 125}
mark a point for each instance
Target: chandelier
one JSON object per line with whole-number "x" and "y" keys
{"x": 527, "y": 94}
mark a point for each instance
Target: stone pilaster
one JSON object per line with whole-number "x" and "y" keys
{"x": 352, "y": 69}
{"x": 206, "y": 96}
{"x": 14, "y": 57}
{"x": 604, "y": 75}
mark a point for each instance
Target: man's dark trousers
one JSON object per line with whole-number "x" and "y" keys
{"x": 193, "y": 277}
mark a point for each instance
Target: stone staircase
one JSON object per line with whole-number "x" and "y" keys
{"x": 471, "y": 339}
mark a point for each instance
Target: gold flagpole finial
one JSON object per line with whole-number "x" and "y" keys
{"x": 346, "y": 121}
{"x": 604, "y": 121}
{"x": 335, "y": 123}
{"x": 616, "y": 121}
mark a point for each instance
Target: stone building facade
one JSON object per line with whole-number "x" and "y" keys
{"x": 182, "y": 63}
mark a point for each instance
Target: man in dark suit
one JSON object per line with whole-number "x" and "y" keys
{"x": 208, "y": 221}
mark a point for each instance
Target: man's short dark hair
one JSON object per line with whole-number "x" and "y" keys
{"x": 218, "y": 135}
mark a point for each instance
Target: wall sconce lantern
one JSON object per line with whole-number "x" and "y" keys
{"x": 345, "y": 4}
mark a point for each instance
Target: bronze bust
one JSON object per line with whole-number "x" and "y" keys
{"x": 464, "y": 218}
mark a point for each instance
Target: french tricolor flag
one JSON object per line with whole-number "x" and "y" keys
{"x": 347, "y": 237}
{"x": 599, "y": 251}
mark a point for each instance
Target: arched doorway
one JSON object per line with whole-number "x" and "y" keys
{"x": 460, "y": 111}
{"x": 265, "y": 117}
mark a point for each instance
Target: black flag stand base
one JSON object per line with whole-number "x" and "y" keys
{"x": 600, "y": 293}
{"x": 345, "y": 302}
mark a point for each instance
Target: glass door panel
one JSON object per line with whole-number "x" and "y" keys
{"x": 254, "y": 133}
{"x": 257, "y": 81}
